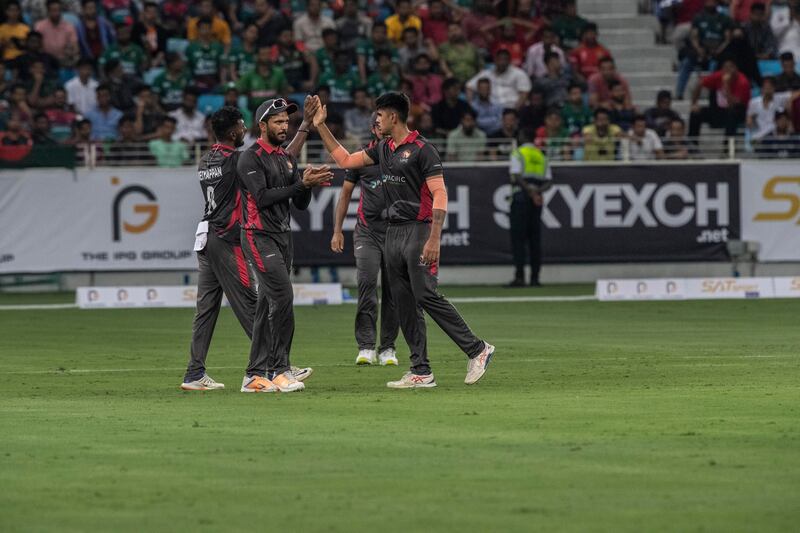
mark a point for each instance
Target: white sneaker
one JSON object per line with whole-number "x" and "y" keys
{"x": 476, "y": 367}
{"x": 412, "y": 381}
{"x": 204, "y": 383}
{"x": 366, "y": 357}
{"x": 301, "y": 374}
{"x": 257, "y": 384}
{"x": 388, "y": 357}
{"x": 286, "y": 382}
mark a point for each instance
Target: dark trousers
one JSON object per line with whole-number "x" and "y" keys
{"x": 370, "y": 262}
{"x": 273, "y": 325}
{"x": 729, "y": 118}
{"x": 415, "y": 289}
{"x": 223, "y": 269}
{"x": 526, "y": 235}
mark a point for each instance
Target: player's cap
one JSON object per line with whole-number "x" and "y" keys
{"x": 273, "y": 107}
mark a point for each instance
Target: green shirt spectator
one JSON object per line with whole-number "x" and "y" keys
{"x": 169, "y": 87}
{"x": 264, "y": 82}
{"x": 379, "y": 83}
{"x": 459, "y": 58}
{"x": 168, "y": 153}
{"x": 568, "y": 26}
{"x": 241, "y": 59}
{"x": 204, "y": 59}
{"x": 341, "y": 85}
{"x": 130, "y": 56}
{"x": 467, "y": 142}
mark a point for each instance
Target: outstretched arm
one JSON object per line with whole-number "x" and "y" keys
{"x": 342, "y": 157}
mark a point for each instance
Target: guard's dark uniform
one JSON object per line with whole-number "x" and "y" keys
{"x": 222, "y": 265}
{"x": 405, "y": 169}
{"x": 368, "y": 243}
{"x": 270, "y": 180}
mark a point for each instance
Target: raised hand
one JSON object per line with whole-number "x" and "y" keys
{"x": 310, "y": 108}
{"x": 321, "y": 115}
{"x": 315, "y": 176}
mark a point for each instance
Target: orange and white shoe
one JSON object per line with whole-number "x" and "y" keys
{"x": 476, "y": 367}
{"x": 204, "y": 383}
{"x": 257, "y": 384}
{"x": 413, "y": 381}
{"x": 286, "y": 382}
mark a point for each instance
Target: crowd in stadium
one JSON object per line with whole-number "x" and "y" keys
{"x": 129, "y": 73}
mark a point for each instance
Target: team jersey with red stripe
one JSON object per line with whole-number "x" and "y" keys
{"x": 372, "y": 202}
{"x": 217, "y": 174}
{"x": 404, "y": 171}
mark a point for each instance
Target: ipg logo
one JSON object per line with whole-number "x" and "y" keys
{"x": 776, "y": 190}
{"x": 120, "y": 221}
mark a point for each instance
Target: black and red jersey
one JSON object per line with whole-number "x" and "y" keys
{"x": 217, "y": 174}
{"x": 404, "y": 171}
{"x": 270, "y": 180}
{"x": 372, "y": 202}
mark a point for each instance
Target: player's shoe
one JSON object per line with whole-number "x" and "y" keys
{"x": 476, "y": 367}
{"x": 204, "y": 383}
{"x": 286, "y": 382}
{"x": 413, "y": 381}
{"x": 257, "y": 384}
{"x": 388, "y": 357}
{"x": 366, "y": 357}
{"x": 301, "y": 374}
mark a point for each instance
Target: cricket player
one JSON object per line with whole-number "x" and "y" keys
{"x": 271, "y": 182}
{"x": 368, "y": 242}
{"x": 416, "y": 200}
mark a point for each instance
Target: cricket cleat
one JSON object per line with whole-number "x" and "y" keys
{"x": 413, "y": 381}
{"x": 286, "y": 382}
{"x": 366, "y": 357}
{"x": 301, "y": 374}
{"x": 476, "y": 367}
{"x": 257, "y": 384}
{"x": 388, "y": 357}
{"x": 204, "y": 383}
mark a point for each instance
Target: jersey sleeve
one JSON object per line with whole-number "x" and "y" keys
{"x": 373, "y": 152}
{"x": 352, "y": 175}
{"x": 430, "y": 163}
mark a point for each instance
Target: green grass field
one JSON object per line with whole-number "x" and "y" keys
{"x": 672, "y": 416}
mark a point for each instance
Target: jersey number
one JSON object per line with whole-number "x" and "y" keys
{"x": 211, "y": 205}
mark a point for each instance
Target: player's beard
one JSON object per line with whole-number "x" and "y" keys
{"x": 276, "y": 139}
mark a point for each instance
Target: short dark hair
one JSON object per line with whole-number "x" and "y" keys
{"x": 768, "y": 79}
{"x": 484, "y": 80}
{"x": 150, "y": 3}
{"x": 605, "y": 59}
{"x": 574, "y": 85}
{"x": 410, "y": 29}
{"x": 589, "y": 27}
{"x": 612, "y": 84}
{"x": 125, "y": 120}
{"x": 329, "y": 31}
{"x": 469, "y": 111}
{"x": 781, "y": 113}
{"x": 359, "y": 89}
{"x": 51, "y": 2}
{"x": 550, "y": 55}
{"x": 787, "y": 56}
{"x": 663, "y": 94}
{"x": 85, "y": 61}
{"x": 639, "y": 117}
{"x": 111, "y": 65}
{"x": 509, "y": 111}
{"x": 758, "y": 6}
{"x": 502, "y": 51}
{"x": 383, "y": 53}
{"x": 39, "y": 115}
{"x": 396, "y": 101}
{"x": 172, "y": 57}
{"x": 552, "y": 111}
{"x": 103, "y": 87}
{"x": 192, "y": 90}
{"x": 167, "y": 118}
{"x": 224, "y": 120}
{"x": 205, "y": 20}
{"x": 601, "y": 111}
{"x": 449, "y": 83}
{"x": 679, "y": 119}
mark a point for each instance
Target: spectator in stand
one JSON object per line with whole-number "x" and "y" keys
{"x": 308, "y": 26}
{"x": 555, "y": 82}
{"x": 472, "y": 23}
{"x": 130, "y": 55}
{"x": 711, "y": 33}
{"x": 81, "y": 137}
{"x": 488, "y": 114}
{"x": 467, "y": 142}
{"x": 13, "y": 32}
{"x": 781, "y": 142}
{"x": 59, "y": 112}
{"x": 219, "y": 30}
{"x": 358, "y": 119}
{"x": 788, "y": 79}
{"x": 600, "y": 138}
{"x": 173, "y": 16}
{"x": 149, "y": 114}
{"x": 95, "y": 32}
{"x": 5, "y": 85}
{"x": 676, "y": 144}
{"x": 535, "y": 58}
{"x": 600, "y": 84}
{"x": 740, "y": 10}
{"x": 501, "y": 143}
{"x": 190, "y": 124}
{"x": 263, "y": 82}
{"x": 15, "y": 134}
{"x": 205, "y": 57}
{"x": 385, "y": 78}
{"x": 242, "y": 57}
{"x": 685, "y": 12}
{"x": 18, "y": 105}
{"x": 118, "y": 10}
{"x": 424, "y": 125}
{"x": 531, "y": 116}
{"x": 104, "y": 117}
{"x": 294, "y": 59}
{"x": 403, "y": 18}
{"x": 367, "y": 49}
{"x": 505, "y": 37}
{"x": 762, "y": 109}
{"x": 59, "y": 38}
{"x": 342, "y": 81}
{"x": 569, "y": 25}
{"x": 661, "y": 116}
{"x": 170, "y": 84}
{"x": 435, "y": 22}
{"x": 322, "y": 59}
{"x": 353, "y": 26}
{"x": 412, "y": 47}
{"x": 447, "y": 113}
{"x": 271, "y": 23}
{"x": 150, "y": 35}
{"x": 127, "y": 150}
{"x": 459, "y": 58}
{"x": 81, "y": 89}
{"x": 585, "y": 59}
{"x": 427, "y": 85}
{"x": 759, "y": 34}
{"x": 728, "y": 109}
{"x": 231, "y": 96}
{"x": 622, "y": 112}
{"x": 643, "y": 142}
{"x": 553, "y": 138}
{"x": 510, "y": 84}
{"x": 167, "y": 151}
{"x": 39, "y": 88}
{"x": 122, "y": 86}
{"x": 36, "y": 10}
{"x": 33, "y": 51}
{"x": 40, "y": 135}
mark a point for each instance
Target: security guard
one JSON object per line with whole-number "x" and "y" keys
{"x": 530, "y": 177}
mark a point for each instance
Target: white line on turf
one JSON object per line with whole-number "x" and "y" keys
{"x": 34, "y": 307}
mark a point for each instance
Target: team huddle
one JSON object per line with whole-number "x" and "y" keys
{"x": 245, "y": 236}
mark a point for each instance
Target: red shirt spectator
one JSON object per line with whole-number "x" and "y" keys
{"x": 426, "y": 86}
{"x": 586, "y": 57}
{"x": 475, "y": 20}
{"x": 688, "y": 10}
{"x": 740, "y": 9}
{"x": 599, "y": 90}
{"x": 59, "y": 37}
{"x": 737, "y": 84}
{"x": 434, "y": 22}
